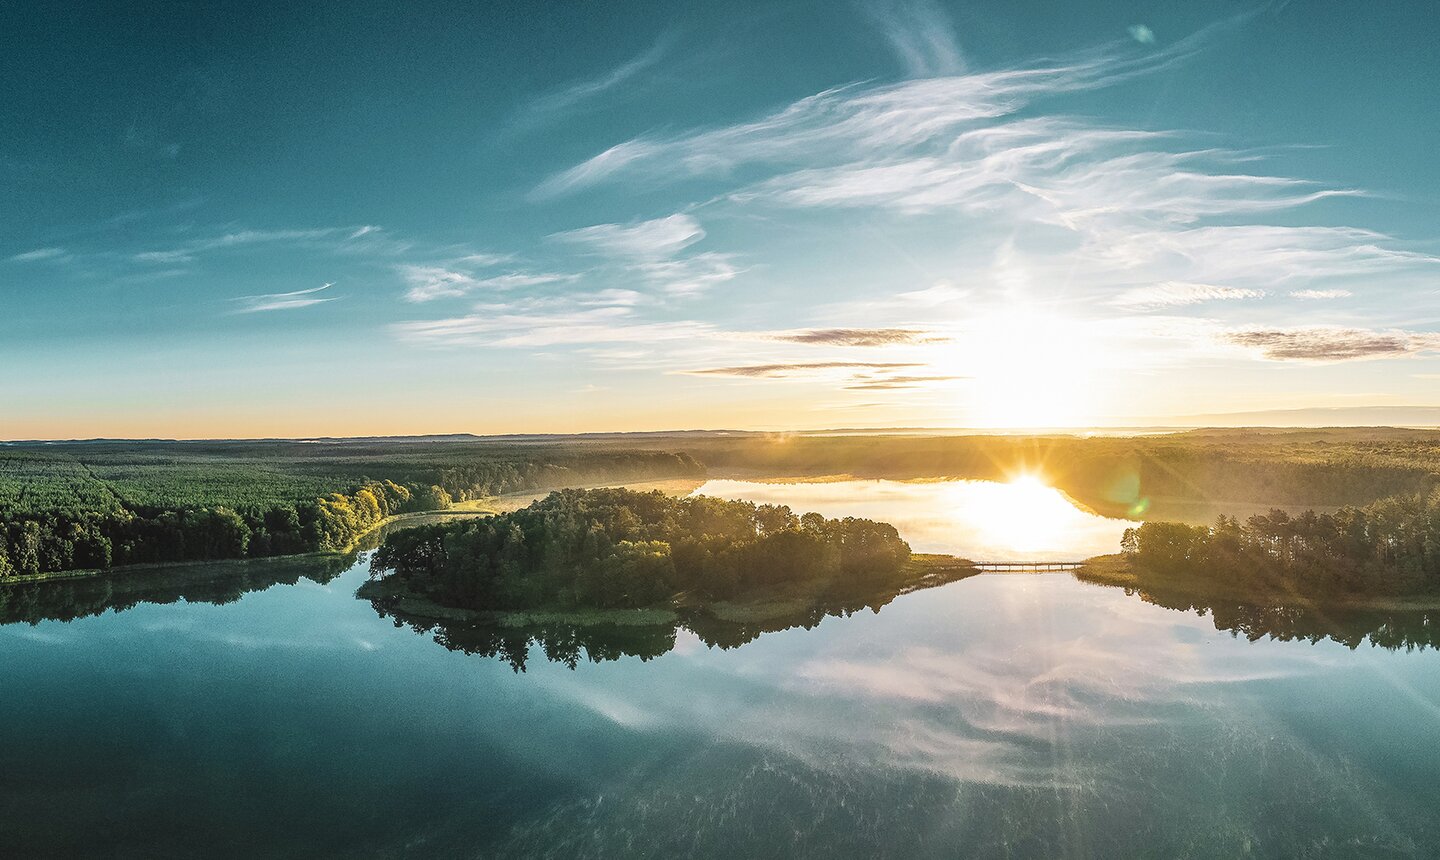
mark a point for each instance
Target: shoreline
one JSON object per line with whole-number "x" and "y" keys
{"x": 488, "y": 506}
{"x": 1116, "y": 572}
{"x": 151, "y": 566}
{"x": 924, "y": 570}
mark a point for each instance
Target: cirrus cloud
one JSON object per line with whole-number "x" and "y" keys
{"x": 1333, "y": 343}
{"x": 855, "y": 336}
{"x": 659, "y": 238}
{"x": 283, "y": 301}
{"x": 1173, "y": 293}
{"x": 1320, "y": 295}
{"x": 784, "y": 370}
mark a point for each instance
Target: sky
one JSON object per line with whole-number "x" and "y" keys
{"x": 274, "y": 219}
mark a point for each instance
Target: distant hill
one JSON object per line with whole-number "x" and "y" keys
{"x": 1335, "y": 416}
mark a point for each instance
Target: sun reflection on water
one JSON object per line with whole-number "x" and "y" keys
{"x": 1024, "y": 515}
{"x": 1020, "y": 520}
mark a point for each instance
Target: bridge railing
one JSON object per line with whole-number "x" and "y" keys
{"x": 1027, "y": 566}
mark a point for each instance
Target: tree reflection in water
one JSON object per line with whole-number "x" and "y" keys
{"x": 1253, "y": 617}
{"x": 1392, "y": 629}
{"x": 1292, "y": 619}
{"x": 212, "y": 582}
{"x": 570, "y": 643}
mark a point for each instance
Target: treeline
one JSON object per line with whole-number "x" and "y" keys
{"x": 1117, "y": 476}
{"x": 60, "y": 541}
{"x": 59, "y": 514}
{"x": 1389, "y": 547}
{"x": 83, "y": 478}
{"x": 620, "y": 549}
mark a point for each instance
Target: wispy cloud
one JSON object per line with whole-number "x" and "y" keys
{"x": 1045, "y": 170}
{"x": 1257, "y": 255}
{"x": 921, "y": 36}
{"x": 1096, "y": 217}
{"x": 38, "y": 255}
{"x": 650, "y": 250}
{"x": 659, "y": 238}
{"x": 845, "y": 375}
{"x": 907, "y": 307}
{"x": 855, "y": 336}
{"x": 1333, "y": 343}
{"x": 689, "y": 276}
{"x": 1141, "y": 33}
{"x": 1173, "y": 293}
{"x": 501, "y": 326}
{"x": 427, "y": 283}
{"x": 1140, "y": 205}
{"x": 164, "y": 258}
{"x": 365, "y": 238}
{"x": 784, "y": 370}
{"x": 485, "y": 259}
{"x": 862, "y": 122}
{"x": 283, "y": 301}
{"x": 898, "y": 383}
{"x": 1320, "y": 295}
{"x": 551, "y": 106}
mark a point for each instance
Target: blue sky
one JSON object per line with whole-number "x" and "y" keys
{"x": 257, "y": 219}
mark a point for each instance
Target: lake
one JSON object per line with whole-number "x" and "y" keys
{"x": 1023, "y": 520}
{"x": 1017, "y": 716}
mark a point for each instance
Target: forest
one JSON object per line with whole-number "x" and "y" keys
{"x": 615, "y": 548}
{"x": 1388, "y": 547}
{"x": 1118, "y": 476}
{"x": 97, "y": 505}
{"x": 100, "y": 504}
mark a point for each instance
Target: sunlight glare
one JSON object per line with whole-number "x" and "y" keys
{"x": 1031, "y": 369}
{"x": 1024, "y": 516}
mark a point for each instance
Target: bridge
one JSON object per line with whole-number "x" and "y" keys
{"x": 1027, "y": 566}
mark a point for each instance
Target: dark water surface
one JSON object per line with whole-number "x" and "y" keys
{"x": 1029, "y": 716}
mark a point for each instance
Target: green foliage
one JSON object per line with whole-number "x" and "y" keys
{"x": 1391, "y": 546}
{"x": 92, "y": 505}
{"x": 617, "y": 548}
{"x": 33, "y": 481}
{"x": 1118, "y": 475}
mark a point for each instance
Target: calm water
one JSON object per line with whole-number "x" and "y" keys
{"x": 1030, "y": 716}
{"x": 982, "y": 520}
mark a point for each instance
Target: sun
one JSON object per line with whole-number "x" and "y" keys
{"x": 1030, "y": 370}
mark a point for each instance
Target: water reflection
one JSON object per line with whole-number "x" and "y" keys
{"x": 996, "y": 716}
{"x": 570, "y": 644}
{"x": 1287, "y": 620}
{"x": 1022, "y": 520}
{"x": 216, "y": 583}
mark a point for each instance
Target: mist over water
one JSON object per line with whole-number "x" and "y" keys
{"x": 981, "y": 520}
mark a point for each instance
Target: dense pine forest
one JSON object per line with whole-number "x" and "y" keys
{"x": 1389, "y": 547}
{"x": 103, "y": 504}
{"x": 615, "y": 548}
{"x": 94, "y": 505}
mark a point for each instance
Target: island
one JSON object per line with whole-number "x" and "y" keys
{"x": 625, "y": 558}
